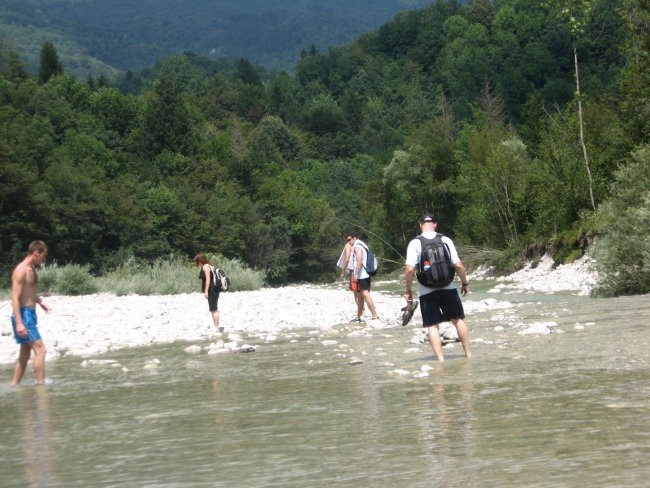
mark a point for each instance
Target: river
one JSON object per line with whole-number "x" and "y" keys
{"x": 565, "y": 409}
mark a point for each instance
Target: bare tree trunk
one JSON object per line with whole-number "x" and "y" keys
{"x": 582, "y": 132}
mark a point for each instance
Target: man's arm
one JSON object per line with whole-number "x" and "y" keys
{"x": 45, "y": 307}
{"x": 18, "y": 278}
{"x": 460, "y": 271}
{"x": 359, "y": 254}
{"x": 346, "y": 260}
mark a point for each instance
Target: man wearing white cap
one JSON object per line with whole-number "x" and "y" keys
{"x": 438, "y": 304}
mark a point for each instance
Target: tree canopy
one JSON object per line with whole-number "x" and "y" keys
{"x": 466, "y": 110}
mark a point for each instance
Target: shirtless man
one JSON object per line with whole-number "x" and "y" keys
{"x": 23, "y": 320}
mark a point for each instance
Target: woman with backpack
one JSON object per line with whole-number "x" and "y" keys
{"x": 210, "y": 289}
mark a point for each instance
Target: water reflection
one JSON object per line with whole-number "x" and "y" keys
{"x": 447, "y": 421}
{"x": 39, "y": 457}
{"x": 218, "y": 396}
{"x": 371, "y": 422}
{"x": 562, "y": 409}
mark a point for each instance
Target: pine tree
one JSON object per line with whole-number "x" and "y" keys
{"x": 50, "y": 63}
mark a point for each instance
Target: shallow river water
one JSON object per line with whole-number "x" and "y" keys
{"x": 566, "y": 409}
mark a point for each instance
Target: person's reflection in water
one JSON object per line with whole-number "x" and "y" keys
{"x": 448, "y": 430}
{"x": 39, "y": 459}
{"x": 218, "y": 400}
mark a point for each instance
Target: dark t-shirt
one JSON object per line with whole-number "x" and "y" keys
{"x": 213, "y": 292}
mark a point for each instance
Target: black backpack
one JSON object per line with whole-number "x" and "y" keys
{"x": 219, "y": 279}
{"x": 435, "y": 269}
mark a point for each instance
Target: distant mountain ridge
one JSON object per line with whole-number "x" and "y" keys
{"x": 94, "y": 36}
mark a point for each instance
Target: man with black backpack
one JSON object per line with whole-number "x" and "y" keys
{"x": 433, "y": 259}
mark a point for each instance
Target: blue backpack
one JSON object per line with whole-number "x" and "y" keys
{"x": 372, "y": 265}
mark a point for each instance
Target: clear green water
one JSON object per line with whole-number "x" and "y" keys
{"x": 568, "y": 409}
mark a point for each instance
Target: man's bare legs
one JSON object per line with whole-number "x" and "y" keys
{"x": 23, "y": 358}
{"x": 365, "y": 297}
{"x": 463, "y": 335}
{"x": 359, "y": 299}
{"x": 21, "y": 364}
{"x": 436, "y": 341}
{"x": 360, "y": 303}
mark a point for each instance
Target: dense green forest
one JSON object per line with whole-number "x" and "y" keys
{"x": 102, "y": 36}
{"x": 472, "y": 111}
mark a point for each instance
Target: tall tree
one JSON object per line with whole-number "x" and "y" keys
{"x": 635, "y": 82}
{"x": 166, "y": 121}
{"x": 50, "y": 63}
{"x": 576, "y": 13}
{"x": 246, "y": 73}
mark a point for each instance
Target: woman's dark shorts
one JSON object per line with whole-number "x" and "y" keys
{"x": 364, "y": 284}
{"x": 441, "y": 306}
{"x": 213, "y": 299}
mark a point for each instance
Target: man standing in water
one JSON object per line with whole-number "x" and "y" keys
{"x": 438, "y": 304}
{"x": 23, "y": 319}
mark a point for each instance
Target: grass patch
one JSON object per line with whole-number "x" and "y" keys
{"x": 71, "y": 279}
{"x": 169, "y": 276}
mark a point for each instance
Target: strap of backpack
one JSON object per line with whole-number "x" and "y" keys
{"x": 367, "y": 251}
{"x": 423, "y": 240}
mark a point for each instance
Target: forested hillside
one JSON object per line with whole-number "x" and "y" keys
{"x": 102, "y": 36}
{"x": 469, "y": 111}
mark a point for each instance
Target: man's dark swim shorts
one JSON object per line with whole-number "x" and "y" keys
{"x": 440, "y": 306}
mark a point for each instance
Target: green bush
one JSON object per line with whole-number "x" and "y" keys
{"x": 623, "y": 254}
{"x": 169, "y": 276}
{"x": 71, "y": 279}
{"x": 47, "y": 277}
{"x": 174, "y": 275}
{"x": 242, "y": 278}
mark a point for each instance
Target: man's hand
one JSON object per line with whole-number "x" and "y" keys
{"x": 464, "y": 289}
{"x": 410, "y": 272}
{"x": 21, "y": 330}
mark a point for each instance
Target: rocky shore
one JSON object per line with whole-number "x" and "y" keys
{"x": 88, "y": 326}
